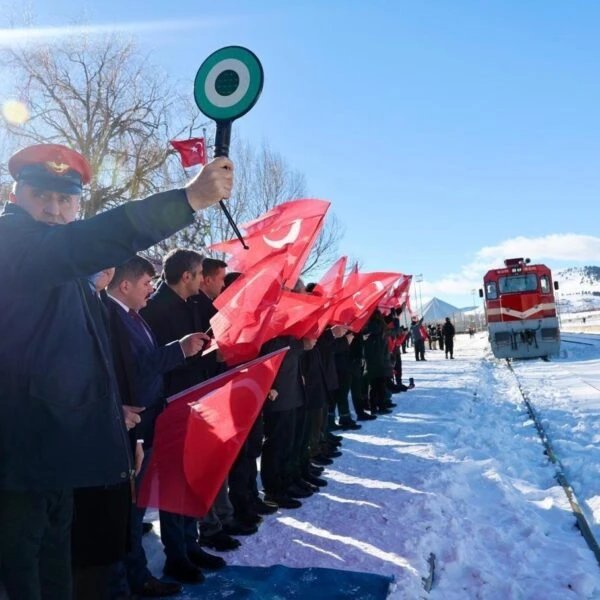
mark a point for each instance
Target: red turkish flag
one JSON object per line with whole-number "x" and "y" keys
{"x": 294, "y": 314}
{"x": 397, "y": 295}
{"x": 354, "y": 310}
{"x": 199, "y": 434}
{"x": 241, "y": 326}
{"x": 295, "y": 225}
{"x": 192, "y": 151}
{"x": 333, "y": 281}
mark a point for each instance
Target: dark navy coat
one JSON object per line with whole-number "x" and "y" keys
{"x": 140, "y": 364}
{"x": 61, "y": 422}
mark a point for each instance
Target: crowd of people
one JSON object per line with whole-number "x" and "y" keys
{"x": 434, "y": 334}
{"x": 93, "y": 344}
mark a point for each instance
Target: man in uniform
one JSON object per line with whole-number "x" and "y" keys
{"x": 61, "y": 420}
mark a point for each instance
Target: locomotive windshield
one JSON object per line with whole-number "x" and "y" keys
{"x": 518, "y": 283}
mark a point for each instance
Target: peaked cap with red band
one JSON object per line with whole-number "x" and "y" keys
{"x": 50, "y": 167}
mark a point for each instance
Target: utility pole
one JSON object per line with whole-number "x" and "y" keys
{"x": 419, "y": 280}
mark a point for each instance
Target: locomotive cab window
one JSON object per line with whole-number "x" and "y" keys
{"x": 518, "y": 283}
{"x": 545, "y": 284}
{"x": 491, "y": 293}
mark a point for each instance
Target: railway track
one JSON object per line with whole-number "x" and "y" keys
{"x": 582, "y": 522}
{"x": 584, "y": 339}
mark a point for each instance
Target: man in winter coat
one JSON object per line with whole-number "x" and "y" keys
{"x": 61, "y": 419}
{"x": 448, "y": 332}
{"x": 418, "y": 334}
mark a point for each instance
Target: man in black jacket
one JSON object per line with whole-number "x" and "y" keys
{"x": 171, "y": 315}
{"x": 448, "y": 331}
{"x": 61, "y": 420}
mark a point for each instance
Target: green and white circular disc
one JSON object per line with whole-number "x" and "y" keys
{"x": 228, "y": 83}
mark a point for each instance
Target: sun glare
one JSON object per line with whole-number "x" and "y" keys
{"x": 15, "y": 112}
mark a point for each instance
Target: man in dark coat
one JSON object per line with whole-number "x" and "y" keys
{"x": 61, "y": 419}
{"x": 140, "y": 364}
{"x": 448, "y": 331}
{"x": 277, "y": 466}
{"x": 171, "y": 316}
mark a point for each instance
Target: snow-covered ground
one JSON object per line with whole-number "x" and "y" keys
{"x": 458, "y": 471}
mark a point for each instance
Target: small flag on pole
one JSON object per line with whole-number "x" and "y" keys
{"x": 192, "y": 151}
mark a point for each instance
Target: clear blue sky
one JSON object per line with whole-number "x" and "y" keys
{"x": 435, "y": 127}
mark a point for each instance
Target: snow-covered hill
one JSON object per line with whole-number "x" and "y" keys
{"x": 579, "y": 289}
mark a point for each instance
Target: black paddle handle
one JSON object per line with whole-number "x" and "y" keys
{"x": 222, "y": 142}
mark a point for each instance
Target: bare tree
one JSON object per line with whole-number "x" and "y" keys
{"x": 103, "y": 98}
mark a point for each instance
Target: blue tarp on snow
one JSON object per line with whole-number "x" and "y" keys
{"x": 285, "y": 583}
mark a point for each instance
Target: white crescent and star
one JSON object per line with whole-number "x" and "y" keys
{"x": 368, "y": 296}
{"x": 289, "y": 238}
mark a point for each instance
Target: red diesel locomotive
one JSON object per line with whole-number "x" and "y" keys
{"x": 520, "y": 310}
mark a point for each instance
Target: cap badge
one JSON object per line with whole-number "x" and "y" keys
{"x": 57, "y": 168}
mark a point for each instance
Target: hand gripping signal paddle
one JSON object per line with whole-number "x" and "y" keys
{"x": 227, "y": 86}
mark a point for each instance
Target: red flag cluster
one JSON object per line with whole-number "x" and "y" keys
{"x": 200, "y": 433}
{"x": 259, "y": 305}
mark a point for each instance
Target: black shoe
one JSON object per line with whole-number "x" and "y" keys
{"x": 384, "y": 411}
{"x": 390, "y": 405}
{"x": 237, "y": 528}
{"x": 262, "y": 507}
{"x": 205, "y": 560}
{"x": 283, "y": 500}
{"x": 335, "y": 438}
{"x": 364, "y": 416}
{"x": 219, "y": 541}
{"x": 147, "y": 528}
{"x": 349, "y": 424}
{"x": 315, "y": 469}
{"x": 318, "y": 481}
{"x": 295, "y": 491}
{"x": 333, "y": 454}
{"x": 322, "y": 460}
{"x": 249, "y": 518}
{"x": 155, "y": 588}
{"x": 306, "y": 485}
{"x": 184, "y": 571}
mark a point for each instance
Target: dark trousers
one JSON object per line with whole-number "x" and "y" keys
{"x": 357, "y": 391}
{"x": 178, "y": 534}
{"x": 378, "y": 396}
{"x": 340, "y": 396}
{"x": 317, "y": 437}
{"x": 419, "y": 349}
{"x": 300, "y": 449}
{"x": 450, "y": 348}
{"x": 35, "y": 544}
{"x": 136, "y": 561}
{"x": 276, "y": 465}
{"x": 397, "y": 356}
{"x": 91, "y": 583}
{"x": 242, "y": 476}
